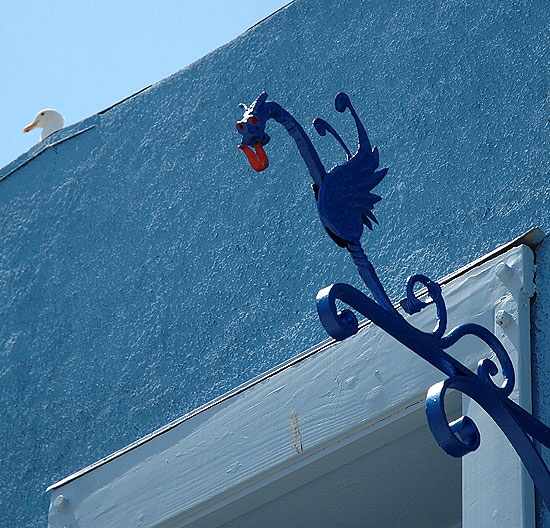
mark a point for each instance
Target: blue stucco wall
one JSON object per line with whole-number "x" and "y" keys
{"x": 145, "y": 269}
{"x": 541, "y": 353}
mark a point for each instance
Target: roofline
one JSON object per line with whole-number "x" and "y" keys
{"x": 530, "y": 238}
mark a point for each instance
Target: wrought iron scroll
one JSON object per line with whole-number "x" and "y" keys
{"x": 345, "y": 205}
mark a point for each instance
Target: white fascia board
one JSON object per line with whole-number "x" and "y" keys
{"x": 496, "y": 488}
{"x": 277, "y": 424}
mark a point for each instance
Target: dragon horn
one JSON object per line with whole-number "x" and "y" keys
{"x": 341, "y": 103}
{"x": 258, "y": 103}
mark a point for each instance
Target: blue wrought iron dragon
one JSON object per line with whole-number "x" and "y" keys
{"x": 345, "y": 204}
{"x": 344, "y": 199}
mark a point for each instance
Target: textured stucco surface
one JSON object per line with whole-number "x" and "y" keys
{"x": 145, "y": 269}
{"x": 541, "y": 352}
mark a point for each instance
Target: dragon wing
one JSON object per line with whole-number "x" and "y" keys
{"x": 345, "y": 201}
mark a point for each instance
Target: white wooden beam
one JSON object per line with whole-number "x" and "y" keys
{"x": 278, "y": 424}
{"x": 496, "y": 488}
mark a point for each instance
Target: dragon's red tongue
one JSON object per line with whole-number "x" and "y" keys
{"x": 258, "y": 160}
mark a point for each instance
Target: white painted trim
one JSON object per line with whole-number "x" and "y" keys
{"x": 354, "y": 388}
{"x": 497, "y": 490}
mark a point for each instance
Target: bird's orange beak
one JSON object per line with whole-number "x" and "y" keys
{"x": 258, "y": 159}
{"x": 30, "y": 127}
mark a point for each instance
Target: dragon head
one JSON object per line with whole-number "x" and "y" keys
{"x": 252, "y": 128}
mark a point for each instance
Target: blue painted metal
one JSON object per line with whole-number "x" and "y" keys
{"x": 345, "y": 204}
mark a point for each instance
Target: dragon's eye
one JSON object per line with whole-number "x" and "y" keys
{"x": 254, "y": 120}
{"x": 240, "y": 126}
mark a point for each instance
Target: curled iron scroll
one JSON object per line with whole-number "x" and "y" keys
{"x": 345, "y": 204}
{"x": 457, "y": 437}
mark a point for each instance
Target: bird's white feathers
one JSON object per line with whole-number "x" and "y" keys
{"x": 48, "y": 120}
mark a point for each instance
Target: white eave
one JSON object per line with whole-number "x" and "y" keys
{"x": 330, "y": 408}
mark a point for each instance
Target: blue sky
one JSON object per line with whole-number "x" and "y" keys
{"x": 81, "y": 57}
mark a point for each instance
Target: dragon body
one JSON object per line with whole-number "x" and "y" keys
{"x": 345, "y": 203}
{"x": 344, "y": 196}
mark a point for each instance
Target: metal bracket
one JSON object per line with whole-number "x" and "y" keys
{"x": 345, "y": 205}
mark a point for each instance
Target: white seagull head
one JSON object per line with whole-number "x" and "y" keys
{"x": 48, "y": 120}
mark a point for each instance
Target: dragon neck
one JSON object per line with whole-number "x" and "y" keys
{"x": 304, "y": 144}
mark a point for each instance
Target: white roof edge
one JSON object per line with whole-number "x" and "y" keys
{"x": 247, "y": 451}
{"x": 530, "y": 238}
